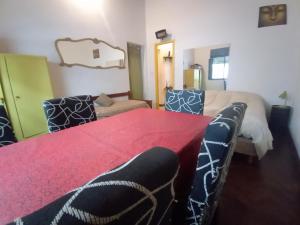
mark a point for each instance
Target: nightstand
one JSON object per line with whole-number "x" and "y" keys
{"x": 279, "y": 119}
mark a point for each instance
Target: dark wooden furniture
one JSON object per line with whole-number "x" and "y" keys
{"x": 124, "y": 94}
{"x": 279, "y": 119}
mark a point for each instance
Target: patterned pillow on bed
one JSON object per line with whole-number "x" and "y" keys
{"x": 137, "y": 192}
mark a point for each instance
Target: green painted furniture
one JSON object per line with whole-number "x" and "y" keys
{"x": 25, "y": 84}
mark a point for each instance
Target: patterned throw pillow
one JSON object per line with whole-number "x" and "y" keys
{"x": 104, "y": 100}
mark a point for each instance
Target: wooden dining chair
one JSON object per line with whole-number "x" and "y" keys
{"x": 7, "y": 135}
{"x": 186, "y": 101}
{"x": 139, "y": 191}
{"x": 213, "y": 162}
{"x": 68, "y": 112}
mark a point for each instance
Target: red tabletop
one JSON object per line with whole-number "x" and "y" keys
{"x": 39, "y": 170}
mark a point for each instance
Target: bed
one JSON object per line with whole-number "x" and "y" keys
{"x": 255, "y": 137}
{"x": 122, "y": 102}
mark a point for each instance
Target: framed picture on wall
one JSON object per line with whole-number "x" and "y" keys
{"x": 272, "y": 15}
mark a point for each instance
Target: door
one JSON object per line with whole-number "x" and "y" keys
{"x": 30, "y": 86}
{"x": 164, "y": 70}
{"x": 135, "y": 70}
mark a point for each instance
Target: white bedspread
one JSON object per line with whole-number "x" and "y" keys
{"x": 254, "y": 126}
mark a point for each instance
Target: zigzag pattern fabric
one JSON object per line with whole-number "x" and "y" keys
{"x": 7, "y": 135}
{"x": 213, "y": 161}
{"x": 139, "y": 192}
{"x": 68, "y": 112}
{"x": 186, "y": 101}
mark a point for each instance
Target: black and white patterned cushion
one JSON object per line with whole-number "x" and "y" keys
{"x": 68, "y": 112}
{"x": 187, "y": 101}
{"x": 137, "y": 192}
{"x": 213, "y": 162}
{"x": 7, "y": 135}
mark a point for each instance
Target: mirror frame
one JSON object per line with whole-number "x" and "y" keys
{"x": 95, "y": 41}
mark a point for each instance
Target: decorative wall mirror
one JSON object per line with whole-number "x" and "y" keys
{"x": 206, "y": 68}
{"x": 91, "y": 53}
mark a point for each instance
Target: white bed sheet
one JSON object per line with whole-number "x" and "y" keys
{"x": 254, "y": 126}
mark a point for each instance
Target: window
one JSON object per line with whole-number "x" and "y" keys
{"x": 218, "y": 64}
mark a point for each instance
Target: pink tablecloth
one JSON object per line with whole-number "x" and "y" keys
{"x": 39, "y": 170}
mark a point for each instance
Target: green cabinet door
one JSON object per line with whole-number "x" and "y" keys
{"x": 2, "y": 102}
{"x": 30, "y": 86}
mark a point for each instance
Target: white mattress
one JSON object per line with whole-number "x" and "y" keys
{"x": 254, "y": 126}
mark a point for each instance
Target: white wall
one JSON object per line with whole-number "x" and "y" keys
{"x": 188, "y": 58}
{"x": 294, "y": 81}
{"x": 32, "y": 26}
{"x": 262, "y": 60}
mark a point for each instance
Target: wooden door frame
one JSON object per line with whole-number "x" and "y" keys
{"x": 156, "y": 67}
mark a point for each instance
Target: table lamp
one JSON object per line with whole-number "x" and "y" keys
{"x": 284, "y": 96}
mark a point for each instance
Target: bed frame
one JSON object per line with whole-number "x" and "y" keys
{"x": 246, "y": 147}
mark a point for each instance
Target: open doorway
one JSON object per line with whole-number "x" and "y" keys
{"x": 164, "y": 70}
{"x": 135, "y": 70}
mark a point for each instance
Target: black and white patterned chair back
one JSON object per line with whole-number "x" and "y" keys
{"x": 186, "y": 101}
{"x": 213, "y": 162}
{"x": 138, "y": 192}
{"x": 68, "y": 112}
{"x": 7, "y": 135}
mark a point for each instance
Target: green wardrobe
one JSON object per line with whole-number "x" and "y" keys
{"x": 25, "y": 84}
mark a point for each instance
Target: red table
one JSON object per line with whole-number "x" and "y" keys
{"x": 37, "y": 171}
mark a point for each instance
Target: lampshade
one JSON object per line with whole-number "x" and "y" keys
{"x": 283, "y": 95}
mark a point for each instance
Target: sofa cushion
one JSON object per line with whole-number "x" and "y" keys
{"x": 104, "y": 100}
